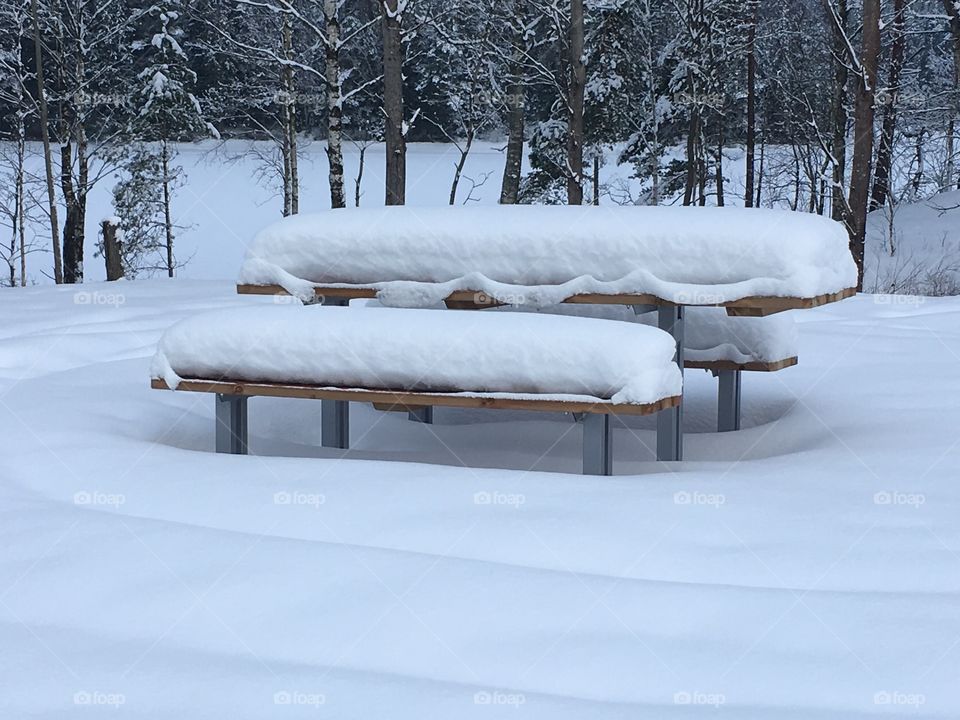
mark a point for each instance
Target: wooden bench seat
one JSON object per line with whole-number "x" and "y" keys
{"x": 231, "y": 411}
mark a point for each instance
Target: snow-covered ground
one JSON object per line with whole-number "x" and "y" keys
{"x": 807, "y": 566}
{"x": 916, "y": 248}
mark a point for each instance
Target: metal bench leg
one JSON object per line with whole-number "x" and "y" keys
{"x": 597, "y": 445}
{"x": 335, "y": 414}
{"x": 231, "y": 430}
{"x": 728, "y": 400}
{"x": 422, "y": 415}
{"x": 335, "y": 424}
{"x": 670, "y": 421}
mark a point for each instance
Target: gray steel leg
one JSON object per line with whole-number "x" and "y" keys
{"x": 728, "y": 400}
{"x": 422, "y": 415}
{"x": 335, "y": 414}
{"x": 670, "y": 421}
{"x": 231, "y": 417}
{"x": 335, "y": 424}
{"x": 597, "y": 445}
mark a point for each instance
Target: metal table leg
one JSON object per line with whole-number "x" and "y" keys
{"x": 231, "y": 428}
{"x": 728, "y": 400}
{"x": 335, "y": 414}
{"x": 670, "y": 421}
{"x": 597, "y": 445}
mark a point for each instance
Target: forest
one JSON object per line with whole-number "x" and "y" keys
{"x": 841, "y": 107}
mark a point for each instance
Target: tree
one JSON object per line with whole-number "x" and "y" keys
{"x": 575, "y": 100}
{"x": 514, "y": 99}
{"x": 866, "y": 71}
{"x": 753, "y": 19}
{"x": 952, "y": 8}
{"x": 395, "y": 129}
{"x": 890, "y": 99}
{"x": 15, "y": 94}
{"x": 45, "y": 134}
{"x": 169, "y": 112}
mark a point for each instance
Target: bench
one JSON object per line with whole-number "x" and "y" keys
{"x": 411, "y": 359}
{"x": 660, "y": 260}
{"x": 724, "y": 345}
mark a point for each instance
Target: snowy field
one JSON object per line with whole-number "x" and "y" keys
{"x": 805, "y": 567}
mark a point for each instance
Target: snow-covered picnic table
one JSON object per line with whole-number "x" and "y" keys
{"x": 752, "y": 262}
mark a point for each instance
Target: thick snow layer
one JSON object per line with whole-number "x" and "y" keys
{"x": 424, "y": 350}
{"x": 539, "y": 256}
{"x": 709, "y": 334}
{"x": 804, "y": 568}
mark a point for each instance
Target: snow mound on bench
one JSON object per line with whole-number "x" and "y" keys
{"x": 539, "y": 256}
{"x": 709, "y": 334}
{"x": 551, "y": 357}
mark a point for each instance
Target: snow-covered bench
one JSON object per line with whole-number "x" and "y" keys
{"x": 416, "y": 358}
{"x": 751, "y": 262}
{"x": 714, "y": 341}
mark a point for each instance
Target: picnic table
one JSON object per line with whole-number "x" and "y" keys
{"x": 752, "y": 262}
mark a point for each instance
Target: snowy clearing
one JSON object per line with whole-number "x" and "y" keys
{"x": 804, "y": 567}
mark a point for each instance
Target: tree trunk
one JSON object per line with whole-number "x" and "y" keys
{"x": 838, "y": 149}
{"x": 863, "y": 139}
{"x": 763, "y": 158}
{"x": 575, "y": 93}
{"x": 950, "y": 169}
{"x": 45, "y": 135}
{"x": 881, "y": 183}
{"x": 167, "y": 221}
{"x": 111, "y": 251}
{"x": 693, "y": 132}
{"x": 21, "y": 198}
{"x": 334, "y": 104}
{"x": 721, "y": 200}
{"x": 516, "y": 102}
{"x": 358, "y": 183}
{"x": 75, "y": 201}
{"x": 953, "y": 13}
{"x": 396, "y": 150}
{"x": 596, "y": 179}
{"x": 917, "y": 180}
{"x": 751, "y": 102}
{"x": 464, "y": 152}
{"x": 516, "y": 120}
{"x": 291, "y": 169}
